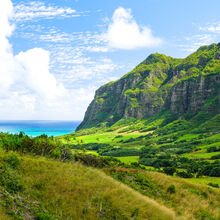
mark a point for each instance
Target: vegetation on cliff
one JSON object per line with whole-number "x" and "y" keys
{"x": 182, "y": 87}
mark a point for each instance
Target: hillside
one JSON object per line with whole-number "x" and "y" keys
{"x": 40, "y": 188}
{"x": 164, "y": 114}
{"x": 182, "y": 87}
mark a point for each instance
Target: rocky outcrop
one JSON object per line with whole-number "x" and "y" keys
{"x": 179, "y": 85}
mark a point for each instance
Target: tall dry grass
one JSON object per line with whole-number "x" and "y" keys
{"x": 192, "y": 200}
{"x": 72, "y": 191}
{"x": 3, "y": 215}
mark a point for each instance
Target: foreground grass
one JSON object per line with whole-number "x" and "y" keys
{"x": 3, "y": 215}
{"x": 69, "y": 190}
{"x": 190, "y": 199}
{"x": 73, "y": 191}
{"x": 187, "y": 199}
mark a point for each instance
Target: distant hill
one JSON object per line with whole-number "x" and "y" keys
{"x": 181, "y": 88}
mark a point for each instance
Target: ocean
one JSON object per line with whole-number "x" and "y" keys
{"x": 38, "y": 127}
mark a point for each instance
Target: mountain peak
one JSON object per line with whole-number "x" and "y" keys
{"x": 157, "y": 57}
{"x": 180, "y": 86}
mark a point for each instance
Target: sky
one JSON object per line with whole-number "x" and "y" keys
{"x": 54, "y": 54}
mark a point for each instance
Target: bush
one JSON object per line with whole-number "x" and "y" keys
{"x": 169, "y": 170}
{"x": 12, "y": 160}
{"x": 43, "y": 216}
{"x": 9, "y": 179}
{"x": 213, "y": 149}
{"x": 214, "y": 185}
{"x": 184, "y": 174}
{"x": 41, "y": 145}
{"x": 121, "y": 152}
{"x": 215, "y": 157}
{"x": 171, "y": 189}
{"x": 91, "y": 160}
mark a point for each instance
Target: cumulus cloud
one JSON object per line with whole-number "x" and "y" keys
{"x": 124, "y": 33}
{"x": 25, "y": 80}
{"x": 35, "y": 68}
{"x": 30, "y": 68}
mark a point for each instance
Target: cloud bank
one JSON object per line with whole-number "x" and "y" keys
{"x": 30, "y": 68}
{"x": 27, "y": 88}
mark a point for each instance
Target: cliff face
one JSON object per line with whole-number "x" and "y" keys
{"x": 182, "y": 86}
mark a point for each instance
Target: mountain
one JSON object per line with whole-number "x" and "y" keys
{"x": 185, "y": 88}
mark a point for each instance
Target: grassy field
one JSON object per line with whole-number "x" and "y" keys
{"x": 179, "y": 134}
{"x": 200, "y": 155}
{"x": 128, "y": 160}
{"x": 107, "y": 137}
{"x": 205, "y": 180}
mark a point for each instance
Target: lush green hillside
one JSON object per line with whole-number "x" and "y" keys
{"x": 40, "y": 188}
{"x": 180, "y": 87}
{"x": 165, "y": 113}
{"x": 63, "y": 185}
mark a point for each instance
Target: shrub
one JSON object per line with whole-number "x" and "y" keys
{"x": 10, "y": 179}
{"x": 214, "y": 185}
{"x": 215, "y": 157}
{"x": 184, "y": 174}
{"x": 91, "y": 160}
{"x": 121, "y": 152}
{"x": 43, "y": 216}
{"x": 12, "y": 160}
{"x": 171, "y": 189}
{"x": 213, "y": 149}
{"x": 169, "y": 170}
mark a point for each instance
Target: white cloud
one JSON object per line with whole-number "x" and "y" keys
{"x": 27, "y": 88}
{"x": 28, "y": 69}
{"x": 214, "y": 28}
{"x": 36, "y": 76}
{"x": 37, "y": 9}
{"x": 124, "y": 33}
{"x": 32, "y": 82}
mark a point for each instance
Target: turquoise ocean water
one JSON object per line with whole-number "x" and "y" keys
{"x": 37, "y": 127}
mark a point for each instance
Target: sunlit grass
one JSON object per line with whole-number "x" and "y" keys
{"x": 128, "y": 160}
{"x": 72, "y": 191}
{"x": 200, "y": 155}
{"x": 191, "y": 199}
{"x": 206, "y": 180}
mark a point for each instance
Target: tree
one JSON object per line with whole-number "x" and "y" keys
{"x": 169, "y": 170}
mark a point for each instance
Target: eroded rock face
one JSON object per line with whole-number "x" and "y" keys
{"x": 159, "y": 82}
{"x": 191, "y": 95}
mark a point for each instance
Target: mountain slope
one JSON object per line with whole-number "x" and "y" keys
{"x": 51, "y": 189}
{"x": 184, "y": 87}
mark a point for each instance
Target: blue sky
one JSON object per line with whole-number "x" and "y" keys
{"x": 61, "y": 51}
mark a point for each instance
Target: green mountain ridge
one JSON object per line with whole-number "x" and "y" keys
{"x": 185, "y": 88}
